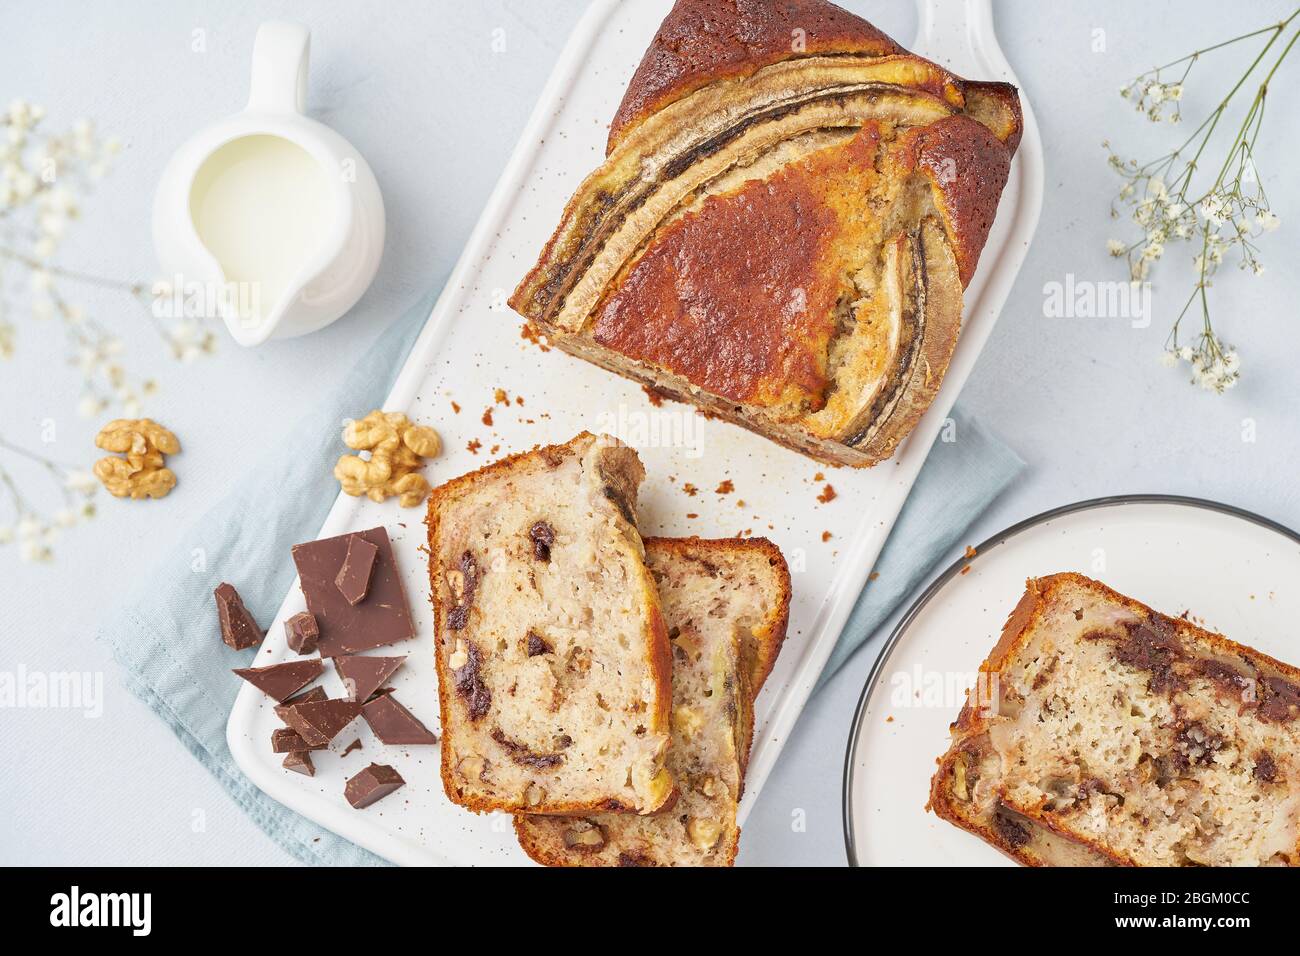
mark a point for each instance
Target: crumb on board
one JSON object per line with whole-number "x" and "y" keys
{"x": 500, "y": 397}
{"x": 819, "y": 477}
{"x": 873, "y": 575}
{"x": 691, "y": 514}
{"x": 966, "y": 570}
{"x": 487, "y": 416}
{"x": 455, "y": 407}
{"x": 473, "y": 446}
{"x": 530, "y": 333}
{"x": 970, "y": 552}
{"x": 826, "y": 536}
{"x": 827, "y": 495}
{"x": 690, "y": 489}
{"x": 725, "y": 487}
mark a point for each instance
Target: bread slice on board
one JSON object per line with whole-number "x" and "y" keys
{"x": 553, "y": 661}
{"x": 1105, "y": 733}
{"x": 726, "y": 604}
{"x": 789, "y": 210}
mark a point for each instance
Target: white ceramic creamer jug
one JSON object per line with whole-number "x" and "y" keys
{"x": 268, "y": 219}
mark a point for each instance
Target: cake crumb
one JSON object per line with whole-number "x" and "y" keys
{"x": 691, "y": 514}
{"x": 656, "y": 399}
{"x": 530, "y": 333}
{"x": 455, "y": 407}
{"x": 474, "y": 445}
{"x": 970, "y": 552}
{"x": 966, "y": 570}
{"x": 873, "y": 575}
{"x": 725, "y": 487}
{"x": 819, "y": 477}
{"x": 690, "y": 489}
{"x": 500, "y": 397}
{"x": 826, "y": 536}
{"x": 827, "y": 496}
{"x": 487, "y": 416}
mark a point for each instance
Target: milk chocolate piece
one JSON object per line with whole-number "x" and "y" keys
{"x": 382, "y": 618}
{"x": 301, "y": 632}
{"x": 282, "y": 680}
{"x": 394, "y": 724}
{"x": 300, "y": 762}
{"x": 238, "y": 629}
{"x": 321, "y": 722}
{"x": 372, "y": 785}
{"x": 353, "y": 579}
{"x": 286, "y": 741}
{"x": 362, "y": 676}
{"x": 313, "y": 696}
{"x": 355, "y": 745}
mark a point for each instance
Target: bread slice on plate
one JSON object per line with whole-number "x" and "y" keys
{"x": 553, "y": 660}
{"x": 1105, "y": 733}
{"x": 790, "y": 207}
{"x": 726, "y": 604}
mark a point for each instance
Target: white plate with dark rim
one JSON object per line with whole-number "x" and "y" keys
{"x": 1234, "y": 572}
{"x": 471, "y": 345}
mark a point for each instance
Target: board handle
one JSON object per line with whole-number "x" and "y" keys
{"x": 960, "y": 37}
{"x": 279, "y": 80}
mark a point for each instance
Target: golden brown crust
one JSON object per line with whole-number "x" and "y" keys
{"x": 703, "y": 41}
{"x": 660, "y": 653}
{"x": 967, "y": 167}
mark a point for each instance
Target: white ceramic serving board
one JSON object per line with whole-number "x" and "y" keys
{"x": 472, "y": 346}
{"x": 1234, "y": 575}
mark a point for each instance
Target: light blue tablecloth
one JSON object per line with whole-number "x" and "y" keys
{"x": 166, "y": 637}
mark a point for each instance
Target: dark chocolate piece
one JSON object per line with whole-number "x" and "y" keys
{"x": 362, "y": 676}
{"x": 301, "y": 633}
{"x": 394, "y": 724}
{"x": 353, "y": 579}
{"x": 321, "y": 722}
{"x": 300, "y": 762}
{"x": 286, "y": 741}
{"x": 382, "y": 618}
{"x": 372, "y": 785}
{"x": 313, "y": 696}
{"x": 355, "y": 745}
{"x": 238, "y": 629}
{"x": 282, "y": 680}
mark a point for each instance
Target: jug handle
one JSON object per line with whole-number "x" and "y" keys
{"x": 279, "y": 80}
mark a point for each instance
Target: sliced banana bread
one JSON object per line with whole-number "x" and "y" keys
{"x": 1105, "y": 733}
{"x": 726, "y": 604}
{"x": 553, "y": 660}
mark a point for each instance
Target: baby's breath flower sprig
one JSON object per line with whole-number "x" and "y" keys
{"x": 43, "y": 178}
{"x": 1169, "y": 202}
{"x": 32, "y": 529}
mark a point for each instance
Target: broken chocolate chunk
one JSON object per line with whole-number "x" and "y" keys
{"x": 355, "y": 745}
{"x": 536, "y": 645}
{"x": 372, "y": 785}
{"x": 286, "y": 741}
{"x": 363, "y": 676}
{"x": 470, "y": 684}
{"x": 313, "y": 696}
{"x": 300, "y": 762}
{"x": 394, "y": 724}
{"x": 282, "y": 680}
{"x": 524, "y": 755}
{"x": 353, "y": 579}
{"x": 382, "y": 618}
{"x": 458, "y": 616}
{"x": 238, "y": 629}
{"x": 301, "y": 633}
{"x": 543, "y": 536}
{"x": 1265, "y": 767}
{"x": 321, "y": 722}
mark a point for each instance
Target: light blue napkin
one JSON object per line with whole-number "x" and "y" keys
{"x": 958, "y": 481}
{"x": 166, "y": 638}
